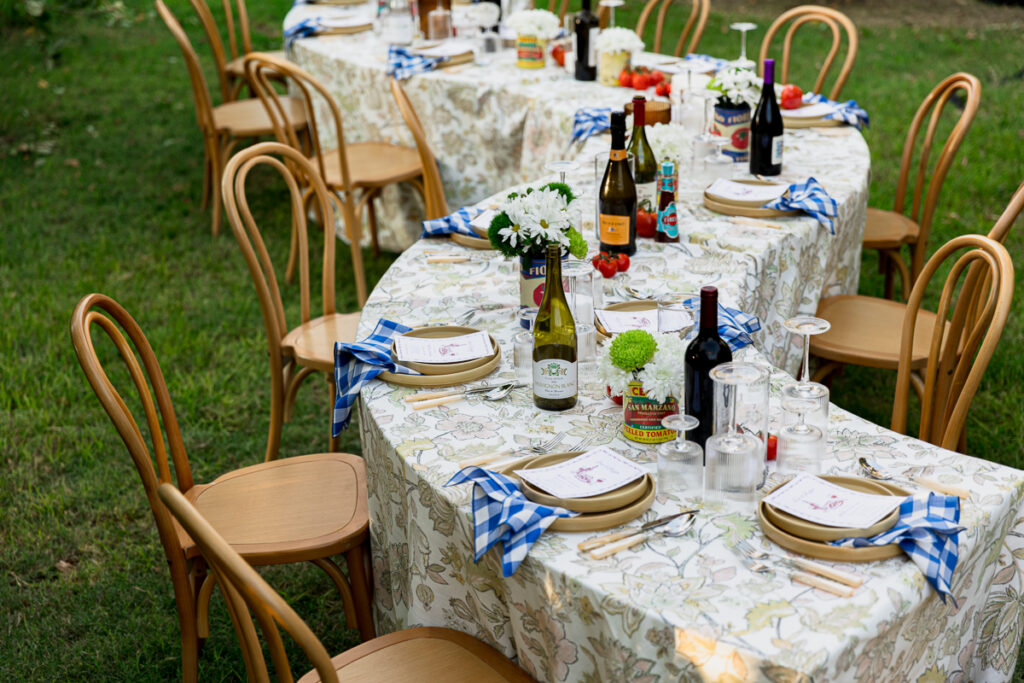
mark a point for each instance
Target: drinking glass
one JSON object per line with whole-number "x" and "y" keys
{"x": 439, "y": 24}
{"x": 743, "y": 27}
{"x": 681, "y": 462}
{"x": 735, "y": 454}
{"x": 801, "y": 445}
{"x": 526, "y": 317}
{"x": 579, "y": 276}
{"x": 522, "y": 355}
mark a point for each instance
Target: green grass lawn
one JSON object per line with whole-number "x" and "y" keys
{"x": 100, "y": 170}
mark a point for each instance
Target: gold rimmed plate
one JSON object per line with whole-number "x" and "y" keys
{"x": 807, "y": 121}
{"x": 627, "y": 306}
{"x": 444, "y": 332}
{"x": 451, "y": 380}
{"x": 480, "y": 243}
{"x": 604, "y": 502}
{"x": 801, "y": 528}
{"x": 742, "y": 207}
{"x": 822, "y": 550}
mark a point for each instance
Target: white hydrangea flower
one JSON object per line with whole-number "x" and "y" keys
{"x": 615, "y": 378}
{"x": 660, "y": 380}
{"x": 738, "y": 85}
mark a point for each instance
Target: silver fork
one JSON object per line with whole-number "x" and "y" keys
{"x": 586, "y": 442}
{"x": 755, "y": 553}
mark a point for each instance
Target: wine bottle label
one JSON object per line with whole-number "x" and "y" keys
{"x": 554, "y": 378}
{"x": 614, "y": 229}
{"x": 647, "y": 197}
{"x": 668, "y": 221}
{"x": 617, "y": 155}
{"x": 776, "y": 150}
{"x": 592, "y": 44}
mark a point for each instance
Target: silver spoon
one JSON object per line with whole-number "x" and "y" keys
{"x": 501, "y": 392}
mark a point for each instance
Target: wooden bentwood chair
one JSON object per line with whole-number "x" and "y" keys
{"x": 294, "y": 353}
{"x": 694, "y": 28}
{"x": 365, "y": 166}
{"x": 951, "y": 347}
{"x": 413, "y": 655}
{"x": 433, "y": 188}
{"x": 224, "y": 125}
{"x": 230, "y": 71}
{"x": 305, "y": 508}
{"x": 889, "y": 231}
{"x": 837, "y": 22}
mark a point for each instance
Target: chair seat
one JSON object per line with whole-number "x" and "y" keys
{"x": 236, "y": 67}
{"x": 248, "y": 118}
{"x": 289, "y": 510}
{"x": 423, "y": 654}
{"x": 868, "y": 331}
{"x": 888, "y": 230}
{"x": 312, "y": 343}
{"x": 373, "y": 164}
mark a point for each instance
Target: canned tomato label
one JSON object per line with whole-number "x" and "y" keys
{"x": 642, "y": 416}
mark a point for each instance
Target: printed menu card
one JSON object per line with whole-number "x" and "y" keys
{"x": 822, "y": 502}
{"x": 595, "y": 472}
{"x": 620, "y": 321}
{"x": 443, "y": 349}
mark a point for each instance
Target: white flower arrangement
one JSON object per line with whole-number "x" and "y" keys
{"x": 529, "y": 221}
{"x": 619, "y": 40}
{"x": 539, "y": 23}
{"x": 668, "y": 142}
{"x": 737, "y": 86}
{"x": 661, "y": 375}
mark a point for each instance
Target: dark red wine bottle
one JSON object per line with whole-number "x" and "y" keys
{"x": 704, "y": 353}
{"x": 766, "y": 128}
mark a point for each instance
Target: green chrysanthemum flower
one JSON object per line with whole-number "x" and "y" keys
{"x": 632, "y": 350}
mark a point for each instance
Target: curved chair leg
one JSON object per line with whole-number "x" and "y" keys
{"x": 917, "y": 382}
{"x": 361, "y": 592}
{"x": 366, "y": 200}
{"x": 203, "y": 596}
{"x": 335, "y": 441}
{"x": 294, "y": 382}
{"x": 207, "y": 174}
{"x": 276, "y": 413}
{"x": 343, "y": 587}
{"x": 217, "y": 163}
{"x": 825, "y": 371}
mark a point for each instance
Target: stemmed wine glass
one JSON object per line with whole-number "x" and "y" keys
{"x": 806, "y": 325}
{"x": 681, "y": 461}
{"x": 735, "y": 459}
{"x": 561, "y": 167}
{"x": 611, "y": 5}
{"x": 743, "y": 27}
{"x": 804, "y": 388}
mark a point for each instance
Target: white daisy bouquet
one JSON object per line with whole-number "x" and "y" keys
{"x": 619, "y": 40}
{"x": 654, "y": 360}
{"x": 736, "y": 86}
{"x": 539, "y": 23}
{"x": 528, "y": 222}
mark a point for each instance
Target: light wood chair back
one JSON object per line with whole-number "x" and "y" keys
{"x": 837, "y": 22}
{"x": 247, "y": 594}
{"x": 926, "y": 187}
{"x": 216, "y": 46}
{"x": 200, "y": 91}
{"x": 1008, "y": 217}
{"x": 262, "y": 70}
{"x": 960, "y": 351}
{"x": 694, "y": 28}
{"x": 433, "y": 187}
{"x": 154, "y": 467}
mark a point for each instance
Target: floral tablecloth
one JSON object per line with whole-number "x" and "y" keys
{"x": 681, "y": 608}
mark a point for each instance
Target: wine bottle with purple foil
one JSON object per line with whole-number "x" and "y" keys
{"x": 766, "y": 128}
{"x": 704, "y": 353}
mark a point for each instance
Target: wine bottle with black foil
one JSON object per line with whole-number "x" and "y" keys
{"x": 645, "y": 171}
{"x": 554, "y": 342}
{"x": 704, "y": 353}
{"x": 617, "y": 195}
{"x": 584, "y": 43}
{"x": 766, "y": 128}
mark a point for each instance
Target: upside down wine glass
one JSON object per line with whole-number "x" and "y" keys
{"x": 743, "y": 27}
{"x": 806, "y": 325}
{"x": 734, "y": 458}
{"x": 681, "y": 462}
{"x": 801, "y": 445}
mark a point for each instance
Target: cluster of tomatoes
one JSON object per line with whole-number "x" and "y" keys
{"x": 792, "y": 97}
{"x": 609, "y": 264}
{"x": 643, "y": 78}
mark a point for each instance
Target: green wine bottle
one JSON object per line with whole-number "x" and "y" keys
{"x": 554, "y": 342}
{"x": 645, "y": 172}
{"x": 617, "y": 195}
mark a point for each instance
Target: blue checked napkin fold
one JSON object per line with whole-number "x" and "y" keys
{"x": 502, "y": 513}
{"x": 304, "y": 29}
{"x": 458, "y": 222}
{"x": 404, "y": 63}
{"x": 590, "y": 121}
{"x": 847, "y": 112}
{"x": 811, "y": 198}
{"x": 734, "y": 326}
{"x": 927, "y": 532}
{"x": 356, "y": 363}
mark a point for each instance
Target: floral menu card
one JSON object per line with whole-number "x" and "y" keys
{"x": 595, "y": 472}
{"x": 822, "y": 502}
{"x": 443, "y": 349}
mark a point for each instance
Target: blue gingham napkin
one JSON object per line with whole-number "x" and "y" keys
{"x": 590, "y": 121}
{"x": 926, "y": 531}
{"x": 734, "y": 326}
{"x": 847, "y": 112}
{"x": 811, "y": 198}
{"x": 458, "y": 222}
{"x": 502, "y": 513}
{"x": 356, "y": 363}
{"x": 713, "y": 62}
{"x": 403, "y": 63}
{"x": 303, "y": 29}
